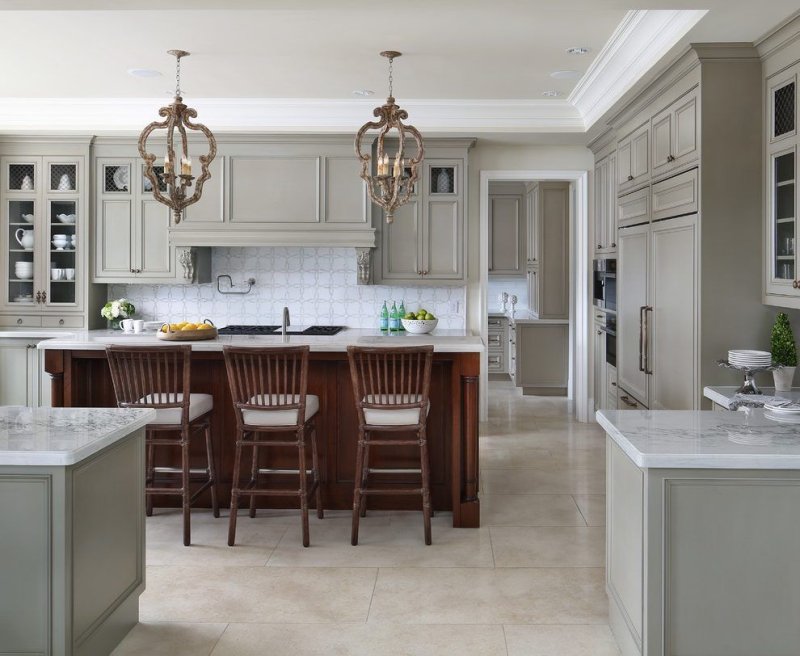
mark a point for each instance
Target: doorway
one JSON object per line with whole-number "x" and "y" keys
{"x": 578, "y": 292}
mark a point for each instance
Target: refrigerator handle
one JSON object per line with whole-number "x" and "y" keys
{"x": 646, "y": 349}
{"x": 642, "y": 310}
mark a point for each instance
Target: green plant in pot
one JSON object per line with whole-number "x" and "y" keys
{"x": 784, "y": 353}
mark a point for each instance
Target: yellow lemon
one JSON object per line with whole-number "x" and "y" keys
{"x": 164, "y": 328}
{"x": 189, "y": 326}
{"x": 175, "y": 326}
{"x": 205, "y": 326}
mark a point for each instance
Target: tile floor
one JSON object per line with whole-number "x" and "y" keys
{"x": 530, "y": 582}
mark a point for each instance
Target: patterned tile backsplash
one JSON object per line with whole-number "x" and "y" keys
{"x": 318, "y": 285}
{"x": 497, "y": 285}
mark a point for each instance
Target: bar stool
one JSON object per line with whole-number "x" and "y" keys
{"x": 159, "y": 378}
{"x": 269, "y": 387}
{"x": 391, "y": 388}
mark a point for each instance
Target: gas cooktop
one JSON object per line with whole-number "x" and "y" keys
{"x": 276, "y": 330}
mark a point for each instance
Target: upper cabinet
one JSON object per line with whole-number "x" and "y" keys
{"x": 605, "y": 205}
{"x": 633, "y": 164}
{"x": 426, "y": 243}
{"x": 507, "y": 231}
{"x": 44, "y": 235}
{"x": 674, "y": 135}
{"x": 782, "y": 279}
{"x": 280, "y": 191}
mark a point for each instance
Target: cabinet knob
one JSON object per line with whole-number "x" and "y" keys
{"x": 670, "y": 158}
{"x": 794, "y": 284}
{"x": 613, "y": 384}
{"x": 19, "y": 321}
{"x": 425, "y": 273}
{"x": 60, "y": 322}
{"x": 44, "y": 297}
{"x": 630, "y": 177}
{"x": 599, "y": 332}
{"x": 39, "y": 295}
{"x": 599, "y": 246}
{"x": 613, "y": 244}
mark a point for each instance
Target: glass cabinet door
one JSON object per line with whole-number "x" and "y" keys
{"x": 783, "y": 215}
{"x": 63, "y": 271}
{"x": 21, "y": 260}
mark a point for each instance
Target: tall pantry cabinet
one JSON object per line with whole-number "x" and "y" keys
{"x": 688, "y": 160}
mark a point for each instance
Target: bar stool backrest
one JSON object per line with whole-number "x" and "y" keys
{"x": 268, "y": 379}
{"x": 391, "y": 379}
{"x": 151, "y": 377}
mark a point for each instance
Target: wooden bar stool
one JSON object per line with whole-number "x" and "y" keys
{"x": 269, "y": 386}
{"x": 392, "y": 394}
{"x": 159, "y": 378}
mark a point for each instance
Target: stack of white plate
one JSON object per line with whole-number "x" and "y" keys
{"x": 23, "y": 270}
{"x": 748, "y": 358}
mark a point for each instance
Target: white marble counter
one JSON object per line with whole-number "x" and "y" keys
{"x": 33, "y": 333}
{"x": 63, "y": 436}
{"x": 704, "y": 439}
{"x": 723, "y": 395}
{"x": 443, "y": 341}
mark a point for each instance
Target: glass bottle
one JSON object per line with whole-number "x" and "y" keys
{"x": 401, "y": 315}
{"x": 394, "y": 319}
{"x": 384, "y": 318}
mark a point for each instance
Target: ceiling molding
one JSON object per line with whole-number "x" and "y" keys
{"x": 639, "y": 42}
{"x": 100, "y": 115}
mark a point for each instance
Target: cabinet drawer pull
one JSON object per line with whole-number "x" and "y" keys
{"x": 60, "y": 322}
{"x": 44, "y": 297}
{"x": 613, "y": 384}
{"x": 38, "y": 297}
{"x": 630, "y": 177}
{"x": 795, "y": 284}
{"x": 627, "y": 401}
{"x": 19, "y": 321}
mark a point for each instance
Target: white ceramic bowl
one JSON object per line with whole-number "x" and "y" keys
{"x": 153, "y": 325}
{"x": 419, "y": 326}
{"x": 66, "y": 218}
{"x": 28, "y": 217}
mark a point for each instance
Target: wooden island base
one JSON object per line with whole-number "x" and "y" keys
{"x": 81, "y": 378}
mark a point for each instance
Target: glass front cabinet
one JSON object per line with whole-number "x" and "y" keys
{"x": 782, "y": 267}
{"x": 44, "y": 232}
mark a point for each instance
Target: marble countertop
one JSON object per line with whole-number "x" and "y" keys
{"x": 33, "y": 333}
{"x": 723, "y": 395}
{"x": 524, "y": 316}
{"x": 63, "y": 436}
{"x": 443, "y": 341}
{"x": 692, "y": 439}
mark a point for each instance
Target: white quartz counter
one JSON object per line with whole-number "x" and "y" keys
{"x": 443, "y": 341}
{"x": 687, "y": 439}
{"x": 723, "y": 395}
{"x": 33, "y": 333}
{"x": 63, "y": 436}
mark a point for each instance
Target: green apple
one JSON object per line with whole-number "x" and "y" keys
{"x": 429, "y": 317}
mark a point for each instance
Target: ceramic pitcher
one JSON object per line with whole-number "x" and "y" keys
{"x": 25, "y": 238}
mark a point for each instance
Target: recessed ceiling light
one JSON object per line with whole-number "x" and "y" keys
{"x": 565, "y": 75}
{"x": 363, "y": 92}
{"x": 578, "y": 50}
{"x": 551, "y": 94}
{"x": 144, "y": 72}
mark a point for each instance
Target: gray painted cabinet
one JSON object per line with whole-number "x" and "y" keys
{"x": 507, "y": 232}
{"x": 23, "y": 380}
{"x": 541, "y": 357}
{"x": 426, "y": 242}
{"x": 605, "y": 206}
{"x": 633, "y": 161}
{"x": 548, "y": 276}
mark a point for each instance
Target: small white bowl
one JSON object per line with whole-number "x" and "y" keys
{"x": 419, "y": 326}
{"x": 153, "y": 325}
{"x": 28, "y": 217}
{"x": 66, "y": 218}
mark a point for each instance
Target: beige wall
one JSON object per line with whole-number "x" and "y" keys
{"x": 486, "y": 156}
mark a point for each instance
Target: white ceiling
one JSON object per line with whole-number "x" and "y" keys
{"x": 483, "y": 63}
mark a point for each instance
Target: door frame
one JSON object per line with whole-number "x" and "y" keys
{"x": 579, "y": 295}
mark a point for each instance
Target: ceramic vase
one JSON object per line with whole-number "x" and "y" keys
{"x": 783, "y": 378}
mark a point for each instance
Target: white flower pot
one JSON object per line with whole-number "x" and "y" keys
{"x": 783, "y": 378}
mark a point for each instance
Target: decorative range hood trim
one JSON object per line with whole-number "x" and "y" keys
{"x": 318, "y": 236}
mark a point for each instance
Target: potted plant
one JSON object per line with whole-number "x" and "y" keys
{"x": 784, "y": 353}
{"x": 116, "y": 311}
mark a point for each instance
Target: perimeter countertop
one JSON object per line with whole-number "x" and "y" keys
{"x": 63, "y": 436}
{"x": 723, "y": 395}
{"x": 443, "y": 341}
{"x": 691, "y": 439}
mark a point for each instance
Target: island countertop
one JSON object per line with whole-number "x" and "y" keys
{"x": 443, "y": 341}
{"x": 63, "y": 436}
{"x": 688, "y": 439}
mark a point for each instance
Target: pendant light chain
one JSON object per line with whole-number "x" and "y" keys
{"x": 178, "y": 77}
{"x": 391, "y": 77}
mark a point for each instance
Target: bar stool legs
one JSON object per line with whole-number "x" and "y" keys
{"x": 426, "y": 484}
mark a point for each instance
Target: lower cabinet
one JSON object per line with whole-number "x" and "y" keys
{"x": 23, "y": 380}
{"x": 541, "y": 357}
{"x": 498, "y": 345}
{"x": 600, "y": 387}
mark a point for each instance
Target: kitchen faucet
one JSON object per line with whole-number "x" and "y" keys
{"x": 286, "y": 323}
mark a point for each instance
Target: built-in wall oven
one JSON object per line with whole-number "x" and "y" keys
{"x": 605, "y": 284}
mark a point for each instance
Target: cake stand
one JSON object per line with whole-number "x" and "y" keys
{"x": 749, "y": 385}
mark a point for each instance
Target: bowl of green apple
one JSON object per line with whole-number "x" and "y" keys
{"x": 419, "y": 322}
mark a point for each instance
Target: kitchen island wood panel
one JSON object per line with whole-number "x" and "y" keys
{"x": 81, "y": 378}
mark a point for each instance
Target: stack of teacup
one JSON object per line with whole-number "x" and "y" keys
{"x": 60, "y": 242}
{"x": 23, "y": 270}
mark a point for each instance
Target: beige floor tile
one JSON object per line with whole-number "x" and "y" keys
{"x": 401, "y": 544}
{"x": 592, "y": 507}
{"x": 490, "y": 596}
{"x": 530, "y": 510}
{"x": 360, "y": 640}
{"x": 251, "y": 594}
{"x": 560, "y": 641}
{"x": 543, "y": 481}
{"x": 548, "y": 546}
{"x": 167, "y": 639}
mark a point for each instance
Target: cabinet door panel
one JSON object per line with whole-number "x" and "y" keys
{"x": 640, "y": 163}
{"x": 15, "y": 375}
{"x": 400, "y": 244}
{"x": 600, "y": 390}
{"x": 624, "y": 158}
{"x": 632, "y": 267}
{"x": 532, "y": 202}
{"x": 600, "y": 205}
{"x": 443, "y": 241}
{"x": 554, "y": 299}
{"x": 156, "y": 254}
{"x": 671, "y": 324}
{"x": 345, "y": 193}
{"x": 611, "y": 203}
{"x": 210, "y": 207}
{"x": 685, "y": 139}
{"x": 506, "y": 236}
{"x": 114, "y": 253}
{"x": 275, "y": 190}
{"x": 662, "y": 140}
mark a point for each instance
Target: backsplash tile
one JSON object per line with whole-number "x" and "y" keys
{"x": 318, "y": 285}
{"x": 497, "y": 285}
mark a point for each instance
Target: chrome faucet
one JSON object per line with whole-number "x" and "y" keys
{"x": 286, "y": 323}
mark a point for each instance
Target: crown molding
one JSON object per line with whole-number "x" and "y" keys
{"x": 101, "y": 115}
{"x": 639, "y": 42}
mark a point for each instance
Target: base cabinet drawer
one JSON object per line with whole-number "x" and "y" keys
{"x": 627, "y": 402}
{"x": 496, "y": 364}
{"x": 62, "y": 322}
{"x": 21, "y": 320}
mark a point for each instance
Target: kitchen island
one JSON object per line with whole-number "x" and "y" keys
{"x": 71, "y": 528}
{"x": 702, "y": 542}
{"x": 80, "y": 377}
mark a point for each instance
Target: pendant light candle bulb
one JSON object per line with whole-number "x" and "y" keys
{"x": 167, "y": 164}
{"x": 397, "y": 167}
{"x": 186, "y": 165}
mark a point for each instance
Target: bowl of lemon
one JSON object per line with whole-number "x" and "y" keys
{"x": 186, "y": 331}
{"x": 419, "y": 322}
